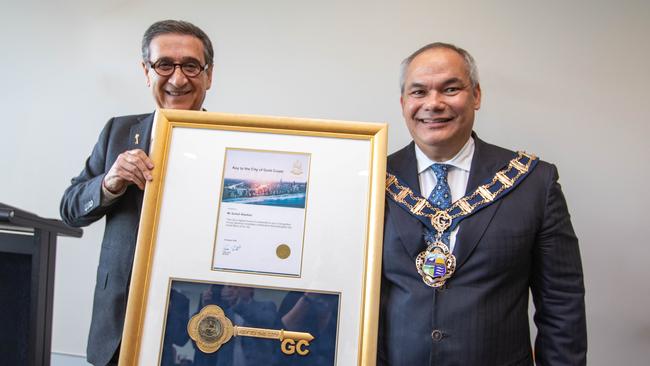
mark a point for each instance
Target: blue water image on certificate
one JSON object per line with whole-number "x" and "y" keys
{"x": 285, "y": 194}
{"x": 266, "y": 178}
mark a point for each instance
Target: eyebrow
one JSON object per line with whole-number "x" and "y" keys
{"x": 416, "y": 85}
{"x": 183, "y": 59}
{"x": 453, "y": 80}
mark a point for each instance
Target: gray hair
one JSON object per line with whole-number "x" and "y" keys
{"x": 469, "y": 62}
{"x": 176, "y": 27}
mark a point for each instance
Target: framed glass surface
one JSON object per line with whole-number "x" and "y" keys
{"x": 259, "y": 237}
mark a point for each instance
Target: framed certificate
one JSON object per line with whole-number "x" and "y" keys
{"x": 263, "y": 201}
{"x": 259, "y": 243}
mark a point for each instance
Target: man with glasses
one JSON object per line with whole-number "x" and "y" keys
{"x": 177, "y": 59}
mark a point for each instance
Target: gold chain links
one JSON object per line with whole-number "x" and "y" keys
{"x": 442, "y": 218}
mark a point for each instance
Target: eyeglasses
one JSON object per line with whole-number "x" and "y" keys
{"x": 166, "y": 68}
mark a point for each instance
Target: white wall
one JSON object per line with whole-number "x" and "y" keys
{"x": 567, "y": 80}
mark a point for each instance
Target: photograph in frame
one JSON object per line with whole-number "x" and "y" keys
{"x": 340, "y": 199}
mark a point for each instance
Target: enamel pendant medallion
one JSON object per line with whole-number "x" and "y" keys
{"x": 436, "y": 264}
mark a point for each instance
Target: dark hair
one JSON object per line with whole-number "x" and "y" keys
{"x": 472, "y": 70}
{"x": 176, "y": 27}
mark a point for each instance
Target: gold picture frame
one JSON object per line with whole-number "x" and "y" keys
{"x": 343, "y": 229}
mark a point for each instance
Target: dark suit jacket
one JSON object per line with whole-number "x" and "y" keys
{"x": 80, "y": 206}
{"x": 522, "y": 242}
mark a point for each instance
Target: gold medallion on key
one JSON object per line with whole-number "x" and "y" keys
{"x": 210, "y": 328}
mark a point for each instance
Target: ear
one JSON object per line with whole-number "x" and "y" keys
{"x": 477, "y": 97}
{"x": 146, "y": 73}
{"x": 208, "y": 73}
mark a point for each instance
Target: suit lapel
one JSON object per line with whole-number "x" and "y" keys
{"x": 140, "y": 138}
{"x": 405, "y": 166}
{"x": 140, "y": 134}
{"x": 410, "y": 230}
{"x": 485, "y": 164}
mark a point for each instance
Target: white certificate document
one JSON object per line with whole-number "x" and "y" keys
{"x": 261, "y": 220}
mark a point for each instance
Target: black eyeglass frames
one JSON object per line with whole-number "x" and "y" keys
{"x": 166, "y": 68}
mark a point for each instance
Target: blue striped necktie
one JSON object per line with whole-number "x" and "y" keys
{"x": 440, "y": 197}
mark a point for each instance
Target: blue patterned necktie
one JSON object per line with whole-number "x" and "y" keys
{"x": 440, "y": 197}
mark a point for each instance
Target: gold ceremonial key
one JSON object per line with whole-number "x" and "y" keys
{"x": 210, "y": 329}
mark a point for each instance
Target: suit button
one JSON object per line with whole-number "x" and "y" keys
{"x": 436, "y": 335}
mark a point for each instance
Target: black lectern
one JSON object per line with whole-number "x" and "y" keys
{"x": 27, "y": 257}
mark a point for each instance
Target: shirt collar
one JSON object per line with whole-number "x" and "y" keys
{"x": 462, "y": 160}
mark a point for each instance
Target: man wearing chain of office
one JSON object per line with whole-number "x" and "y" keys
{"x": 470, "y": 229}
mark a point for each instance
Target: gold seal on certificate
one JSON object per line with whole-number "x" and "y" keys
{"x": 262, "y": 210}
{"x": 283, "y": 251}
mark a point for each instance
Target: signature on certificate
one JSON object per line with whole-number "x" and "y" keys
{"x": 230, "y": 248}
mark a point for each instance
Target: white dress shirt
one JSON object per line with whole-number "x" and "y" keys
{"x": 457, "y": 176}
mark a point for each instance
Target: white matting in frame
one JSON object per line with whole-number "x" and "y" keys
{"x": 342, "y": 223}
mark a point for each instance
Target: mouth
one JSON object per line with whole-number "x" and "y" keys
{"x": 433, "y": 121}
{"x": 177, "y": 93}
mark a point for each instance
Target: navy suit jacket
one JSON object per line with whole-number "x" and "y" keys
{"x": 523, "y": 242}
{"x": 80, "y": 206}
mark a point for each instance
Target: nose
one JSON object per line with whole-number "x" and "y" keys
{"x": 434, "y": 102}
{"x": 177, "y": 78}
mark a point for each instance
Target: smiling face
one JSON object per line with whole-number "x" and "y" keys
{"x": 177, "y": 91}
{"x": 438, "y": 102}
